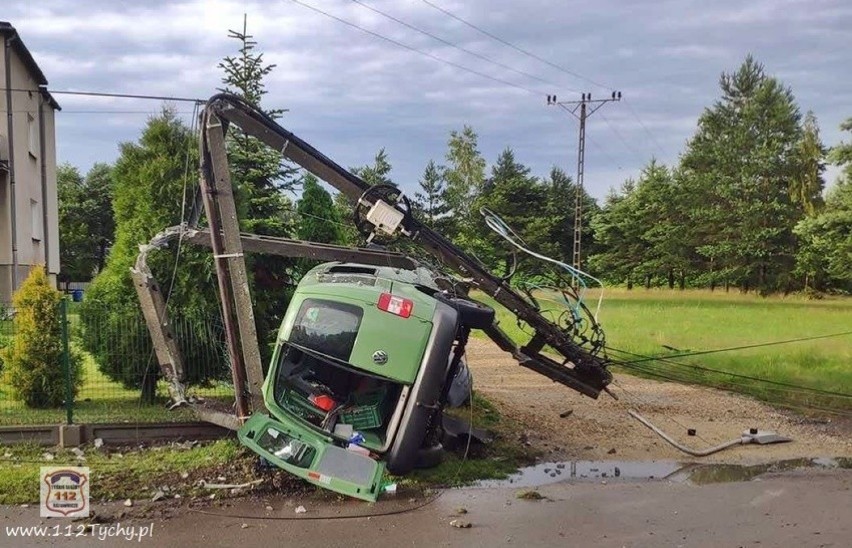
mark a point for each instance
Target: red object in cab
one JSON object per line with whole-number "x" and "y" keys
{"x": 323, "y": 402}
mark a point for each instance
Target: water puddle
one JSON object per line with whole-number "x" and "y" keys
{"x": 693, "y": 473}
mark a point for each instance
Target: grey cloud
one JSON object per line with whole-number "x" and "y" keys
{"x": 350, "y": 93}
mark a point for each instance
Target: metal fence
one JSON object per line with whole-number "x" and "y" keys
{"x": 110, "y": 348}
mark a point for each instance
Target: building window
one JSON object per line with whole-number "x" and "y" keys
{"x": 32, "y": 132}
{"x": 36, "y": 220}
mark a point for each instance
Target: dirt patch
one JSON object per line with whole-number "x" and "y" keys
{"x": 601, "y": 429}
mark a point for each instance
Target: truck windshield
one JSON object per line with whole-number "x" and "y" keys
{"x": 328, "y": 327}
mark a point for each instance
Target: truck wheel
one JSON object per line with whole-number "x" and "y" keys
{"x": 474, "y": 314}
{"x": 430, "y": 457}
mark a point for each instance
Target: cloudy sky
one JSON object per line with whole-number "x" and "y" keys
{"x": 350, "y": 93}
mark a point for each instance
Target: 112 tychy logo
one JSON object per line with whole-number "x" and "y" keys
{"x": 64, "y": 491}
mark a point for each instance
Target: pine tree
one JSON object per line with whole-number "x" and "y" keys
{"x": 825, "y": 254}
{"x": 378, "y": 173}
{"x": 738, "y": 171}
{"x": 559, "y": 215}
{"x": 431, "y": 203}
{"x": 520, "y": 200}
{"x": 318, "y": 220}
{"x": 260, "y": 177}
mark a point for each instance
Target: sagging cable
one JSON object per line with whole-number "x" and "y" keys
{"x": 500, "y": 227}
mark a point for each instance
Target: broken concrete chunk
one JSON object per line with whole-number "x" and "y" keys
{"x": 47, "y": 456}
{"x": 159, "y": 495}
{"x": 98, "y": 443}
{"x": 128, "y": 503}
{"x": 460, "y": 524}
{"x": 301, "y": 510}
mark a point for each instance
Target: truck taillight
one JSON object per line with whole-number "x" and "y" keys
{"x": 395, "y": 305}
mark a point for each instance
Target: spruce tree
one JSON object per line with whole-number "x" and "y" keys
{"x": 431, "y": 200}
{"x": 261, "y": 177}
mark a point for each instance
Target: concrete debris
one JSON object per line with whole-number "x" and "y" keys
{"x": 98, "y": 443}
{"x": 128, "y": 503}
{"x": 460, "y": 524}
{"x": 78, "y": 453}
{"x": 47, "y": 456}
{"x": 301, "y": 510}
{"x": 159, "y": 495}
{"x": 244, "y": 526}
{"x": 7, "y": 455}
{"x": 269, "y": 508}
{"x": 184, "y": 475}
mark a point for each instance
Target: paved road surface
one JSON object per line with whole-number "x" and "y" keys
{"x": 802, "y": 509}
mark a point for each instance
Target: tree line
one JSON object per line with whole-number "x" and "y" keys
{"x": 743, "y": 207}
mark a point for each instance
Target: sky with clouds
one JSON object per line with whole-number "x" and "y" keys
{"x": 350, "y": 93}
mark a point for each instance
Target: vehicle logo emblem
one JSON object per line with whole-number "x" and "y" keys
{"x": 380, "y": 357}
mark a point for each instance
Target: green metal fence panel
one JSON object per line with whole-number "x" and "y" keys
{"x": 121, "y": 380}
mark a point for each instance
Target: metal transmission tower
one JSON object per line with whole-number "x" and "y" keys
{"x": 586, "y": 107}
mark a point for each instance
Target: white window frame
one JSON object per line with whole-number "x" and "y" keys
{"x": 36, "y": 220}
{"x": 32, "y": 134}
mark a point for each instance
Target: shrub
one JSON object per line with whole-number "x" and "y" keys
{"x": 33, "y": 360}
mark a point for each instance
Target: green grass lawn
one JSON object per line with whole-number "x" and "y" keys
{"x": 126, "y": 473}
{"x": 643, "y": 321}
{"x": 102, "y": 400}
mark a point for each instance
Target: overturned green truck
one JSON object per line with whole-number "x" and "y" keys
{"x": 365, "y": 360}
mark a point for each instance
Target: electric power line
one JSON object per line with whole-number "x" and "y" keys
{"x": 415, "y": 50}
{"x": 515, "y": 47}
{"x": 732, "y": 348}
{"x": 635, "y": 364}
{"x": 542, "y": 60}
{"x": 641, "y": 123}
{"x": 109, "y": 94}
{"x": 621, "y": 138}
{"x": 452, "y": 45}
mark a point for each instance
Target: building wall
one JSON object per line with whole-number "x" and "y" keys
{"x": 37, "y": 219}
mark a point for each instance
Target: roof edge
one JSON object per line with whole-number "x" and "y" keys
{"x": 14, "y": 40}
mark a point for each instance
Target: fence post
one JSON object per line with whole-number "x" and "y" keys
{"x": 66, "y": 363}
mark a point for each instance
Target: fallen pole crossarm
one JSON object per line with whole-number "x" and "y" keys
{"x": 156, "y": 316}
{"x": 286, "y": 247}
